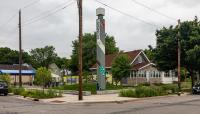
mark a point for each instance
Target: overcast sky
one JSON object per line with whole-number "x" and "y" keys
{"x": 61, "y": 28}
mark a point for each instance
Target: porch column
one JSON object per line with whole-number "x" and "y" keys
{"x": 147, "y": 76}
{"x": 162, "y": 75}
{"x": 136, "y": 76}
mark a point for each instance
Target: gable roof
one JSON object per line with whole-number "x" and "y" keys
{"x": 15, "y": 67}
{"x": 139, "y": 66}
{"x": 109, "y": 58}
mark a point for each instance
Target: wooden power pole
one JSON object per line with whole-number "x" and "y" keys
{"x": 179, "y": 59}
{"x": 20, "y": 51}
{"x": 79, "y": 2}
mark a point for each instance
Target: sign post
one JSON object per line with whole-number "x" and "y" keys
{"x": 100, "y": 35}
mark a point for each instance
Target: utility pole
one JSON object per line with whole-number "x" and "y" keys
{"x": 79, "y": 3}
{"x": 179, "y": 60}
{"x": 20, "y": 50}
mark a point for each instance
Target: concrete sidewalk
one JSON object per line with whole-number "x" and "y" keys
{"x": 107, "y": 98}
{"x": 67, "y": 98}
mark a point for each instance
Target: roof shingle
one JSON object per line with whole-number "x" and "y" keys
{"x": 109, "y": 58}
{"x": 15, "y": 67}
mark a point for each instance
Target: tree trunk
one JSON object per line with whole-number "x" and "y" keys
{"x": 116, "y": 82}
{"x": 120, "y": 82}
{"x": 192, "y": 77}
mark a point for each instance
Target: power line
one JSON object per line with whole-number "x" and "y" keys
{"x": 30, "y": 4}
{"x": 153, "y": 10}
{"x": 126, "y": 14}
{"x": 43, "y": 13}
{"x": 8, "y": 21}
{"x": 47, "y": 15}
{"x": 49, "y": 12}
{"x": 13, "y": 16}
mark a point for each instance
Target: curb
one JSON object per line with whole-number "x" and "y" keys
{"x": 99, "y": 102}
{"x": 131, "y": 100}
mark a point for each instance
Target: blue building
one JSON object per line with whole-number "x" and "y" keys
{"x": 28, "y": 73}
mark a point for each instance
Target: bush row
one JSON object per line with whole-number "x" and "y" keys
{"x": 39, "y": 94}
{"x": 86, "y": 87}
{"x": 149, "y": 91}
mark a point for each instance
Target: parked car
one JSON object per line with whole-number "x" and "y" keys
{"x": 196, "y": 88}
{"x": 3, "y": 88}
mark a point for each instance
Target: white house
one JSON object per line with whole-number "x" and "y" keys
{"x": 142, "y": 70}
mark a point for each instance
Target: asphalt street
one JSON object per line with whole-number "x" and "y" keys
{"x": 166, "y": 105}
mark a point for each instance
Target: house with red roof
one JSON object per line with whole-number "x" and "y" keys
{"x": 142, "y": 70}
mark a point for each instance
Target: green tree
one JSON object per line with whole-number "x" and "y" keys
{"x": 89, "y": 51}
{"x": 6, "y": 78}
{"x": 120, "y": 67}
{"x": 9, "y": 56}
{"x": 150, "y": 52}
{"x": 193, "y": 57}
{"x": 43, "y": 57}
{"x": 62, "y": 63}
{"x": 43, "y": 76}
{"x": 166, "y": 49}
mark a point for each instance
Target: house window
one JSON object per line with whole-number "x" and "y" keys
{"x": 139, "y": 74}
{"x": 139, "y": 59}
{"x": 153, "y": 74}
{"x": 150, "y": 74}
{"x": 144, "y": 73}
{"x": 159, "y": 74}
{"x": 131, "y": 73}
{"x": 136, "y": 74}
{"x": 167, "y": 74}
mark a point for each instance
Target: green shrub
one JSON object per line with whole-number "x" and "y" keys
{"x": 18, "y": 90}
{"x": 10, "y": 89}
{"x": 186, "y": 85}
{"x": 170, "y": 87}
{"x": 86, "y": 87}
{"x": 160, "y": 91}
{"x": 28, "y": 93}
{"x": 149, "y": 91}
{"x": 144, "y": 84}
{"x": 90, "y": 87}
{"x": 142, "y": 91}
{"x": 186, "y": 90}
{"x": 127, "y": 93}
{"x": 113, "y": 87}
{"x": 158, "y": 84}
{"x": 40, "y": 94}
{"x": 6, "y": 78}
{"x": 146, "y": 92}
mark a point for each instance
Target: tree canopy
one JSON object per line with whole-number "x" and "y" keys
{"x": 43, "y": 76}
{"x": 43, "y": 57}
{"x": 89, "y": 51}
{"x": 167, "y": 44}
{"x": 9, "y": 56}
{"x": 120, "y": 67}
